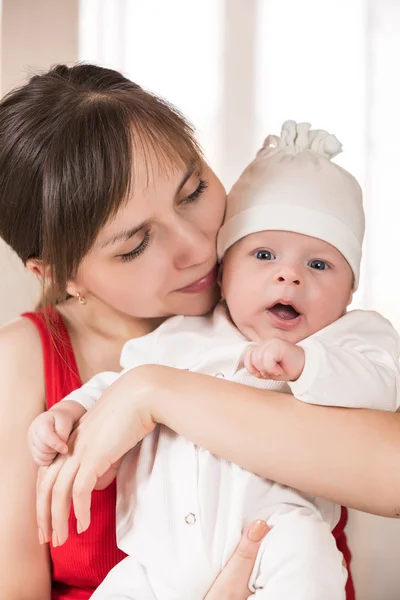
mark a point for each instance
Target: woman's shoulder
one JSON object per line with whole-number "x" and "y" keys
{"x": 21, "y": 360}
{"x": 19, "y": 336}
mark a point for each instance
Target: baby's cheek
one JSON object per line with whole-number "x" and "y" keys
{"x": 239, "y": 304}
{"x": 315, "y": 321}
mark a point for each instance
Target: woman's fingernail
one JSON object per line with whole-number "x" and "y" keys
{"x": 41, "y": 536}
{"x": 54, "y": 540}
{"x": 257, "y": 530}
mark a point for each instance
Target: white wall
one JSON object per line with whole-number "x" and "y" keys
{"x": 34, "y": 35}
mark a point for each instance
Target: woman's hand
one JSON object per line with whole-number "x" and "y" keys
{"x": 232, "y": 582}
{"x": 109, "y": 430}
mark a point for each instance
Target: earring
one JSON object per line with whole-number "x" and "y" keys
{"x": 81, "y": 299}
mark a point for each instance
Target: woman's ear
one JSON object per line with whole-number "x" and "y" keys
{"x": 38, "y": 268}
{"x": 43, "y": 272}
{"x": 76, "y": 291}
{"x": 71, "y": 289}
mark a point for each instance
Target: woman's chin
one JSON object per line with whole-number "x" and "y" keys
{"x": 196, "y": 305}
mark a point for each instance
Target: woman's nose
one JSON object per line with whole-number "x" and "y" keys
{"x": 192, "y": 246}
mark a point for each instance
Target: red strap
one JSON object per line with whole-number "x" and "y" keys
{"x": 60, "y": 368}
{"x": 342, "y": 544}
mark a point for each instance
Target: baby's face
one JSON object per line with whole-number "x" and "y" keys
{"x": 279, "y": 284}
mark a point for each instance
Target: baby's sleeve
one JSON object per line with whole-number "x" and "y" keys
{"x": 90, "y": 392}
{"x": 354, "y": 363}
{"x": 135, "y": 352}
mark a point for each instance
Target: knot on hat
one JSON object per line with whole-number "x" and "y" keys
{"x": 297, "y": 137}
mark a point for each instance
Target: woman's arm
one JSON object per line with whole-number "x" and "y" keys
{"x": 348, "y": 456}
{"x": 24, "y": 564}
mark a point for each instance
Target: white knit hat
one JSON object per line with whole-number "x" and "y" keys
{"x": 292, "y": 185}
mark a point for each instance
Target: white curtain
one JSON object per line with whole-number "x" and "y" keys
{"x": 238, "y": 69}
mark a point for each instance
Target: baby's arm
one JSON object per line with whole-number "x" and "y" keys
{"x": 353, "y": 363}
{"x": 50, "y": 431}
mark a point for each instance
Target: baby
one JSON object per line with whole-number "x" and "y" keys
{"x": 291, "y": 250}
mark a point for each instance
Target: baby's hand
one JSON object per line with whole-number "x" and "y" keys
{"x": 48, "y": 435}
{"x": 275, "y": 359}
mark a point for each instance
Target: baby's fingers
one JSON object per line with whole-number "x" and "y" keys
{"x": 48, "y": 441}
{"x": 266, "y": 363}
{"x": 55, "y": 442}
{"x": 249, "y": 364}
{"x": 271, "y": 369}
{"x": 42, "y": 455}
{"x": 42, "y": 459}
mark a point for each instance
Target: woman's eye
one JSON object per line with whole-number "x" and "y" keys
{"x": 319, "y": 265}
{"x": 264, "y": 255}
{"x": 136, "y": 251}
{"x": 203, "y": 185}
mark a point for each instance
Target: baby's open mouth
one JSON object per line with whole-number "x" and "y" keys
{"x": 287, "y": 312}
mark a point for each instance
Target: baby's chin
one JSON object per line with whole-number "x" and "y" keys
{"x": 256, "y": 332}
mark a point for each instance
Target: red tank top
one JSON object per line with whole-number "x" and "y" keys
{"x": 81, "y": 564}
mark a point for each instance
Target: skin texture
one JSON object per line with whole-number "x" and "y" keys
{"x": 268, "y": 267}
{"x": 182, "y": 211}
{"x": 24, "y": 564}
{"x": 280, "y": 266}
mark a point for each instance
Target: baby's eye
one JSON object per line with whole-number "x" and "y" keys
{"x": 264, "y": 255}
{"x": 319, "y": 265}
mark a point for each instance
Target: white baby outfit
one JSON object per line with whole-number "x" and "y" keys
{"x": 181, "y": 510}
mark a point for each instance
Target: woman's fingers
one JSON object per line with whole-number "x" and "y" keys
{"x": 83, "y": 487}
{"x": 44, "y": 489}
{"x": 232, "y": 582}
{"x": 93, "y": 449}
{"x": 57, "y": 484}
{"x": 109, "y": 476}
{"x": 61, "y": 499}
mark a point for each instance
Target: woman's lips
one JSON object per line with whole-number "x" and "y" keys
{"x": 201, "y": 284}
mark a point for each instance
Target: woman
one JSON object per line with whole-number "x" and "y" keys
{"x": 105, "y": 196}
{"x": 84, "y": 154}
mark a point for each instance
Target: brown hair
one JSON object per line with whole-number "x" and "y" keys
{"x": 68, "y": 140}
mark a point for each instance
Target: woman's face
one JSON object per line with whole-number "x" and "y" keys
{"x": 157, "y": 257}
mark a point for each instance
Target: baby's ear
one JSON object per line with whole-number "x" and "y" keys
{"x": 350, "y": 300}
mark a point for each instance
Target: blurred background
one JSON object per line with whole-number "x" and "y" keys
{"x": 238, "y": 69}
